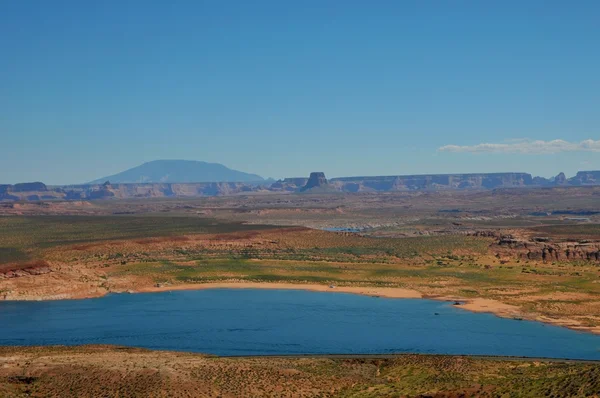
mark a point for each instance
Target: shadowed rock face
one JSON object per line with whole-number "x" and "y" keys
{"x": 316, "y": 179}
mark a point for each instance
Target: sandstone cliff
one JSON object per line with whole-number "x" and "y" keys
{"x": 543, "y": 248}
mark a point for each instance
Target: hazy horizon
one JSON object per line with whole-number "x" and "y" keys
{"x": 306, "y": 174}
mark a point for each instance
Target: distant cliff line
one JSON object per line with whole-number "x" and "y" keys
{"x": 316, "y": 183}
{"x": 439, "y": 182}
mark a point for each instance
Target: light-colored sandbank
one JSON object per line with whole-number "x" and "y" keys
{"x": 391, "y": 292}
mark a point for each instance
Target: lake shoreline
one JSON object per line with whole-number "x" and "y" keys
{"x": 478, "y": 305}
{"x": 4, "y": 349}
{"x": 481, "y": 305}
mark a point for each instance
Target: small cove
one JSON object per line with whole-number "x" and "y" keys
{"x": 284, "y": 322}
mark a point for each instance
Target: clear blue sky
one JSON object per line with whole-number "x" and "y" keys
{"x": 282, "y": 88}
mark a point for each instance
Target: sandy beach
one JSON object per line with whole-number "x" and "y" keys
{"x": 390, "y": 292}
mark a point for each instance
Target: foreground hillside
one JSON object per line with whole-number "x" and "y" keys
{"x": 93, "y": 371}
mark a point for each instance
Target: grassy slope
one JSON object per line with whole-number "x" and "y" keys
{"x": 22, "y": 238}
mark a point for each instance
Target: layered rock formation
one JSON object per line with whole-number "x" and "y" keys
{"x": 289, "y": 184}
{"x": 541, "y": 248}
{"x": 433, "y": 182}
{"x": 124, "y": 191}
{"x": 25, "y": 269}
{"x": 545, "y": 249}
{"x": 31, "y": 191}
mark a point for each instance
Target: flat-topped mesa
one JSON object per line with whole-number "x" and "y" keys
{"x": 586, "y": 178}
{"x": 316, "y": 179}
{"x": 29, "y": 187}
{"x": 434, "y": 182}
{"x": 24, "y": 191}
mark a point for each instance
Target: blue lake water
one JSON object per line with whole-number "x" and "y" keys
{"x": 269, "y": 322}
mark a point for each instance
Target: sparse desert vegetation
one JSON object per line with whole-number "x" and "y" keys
{"x": 299, "y": 199}
{"x": 25, "y": 238}
{"x": 90, "y": 371}
{"x": 441, "y": 251}
{"x": 517, "y": 253}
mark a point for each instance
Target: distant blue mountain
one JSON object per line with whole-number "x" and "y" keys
{"x": 179, "y": 171}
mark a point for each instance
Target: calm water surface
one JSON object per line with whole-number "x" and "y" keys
{"x": 262, "y": 322}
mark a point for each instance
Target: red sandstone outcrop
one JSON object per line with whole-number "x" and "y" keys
{"x": 544, "y": 249}
{"x": 17, "y": 270}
